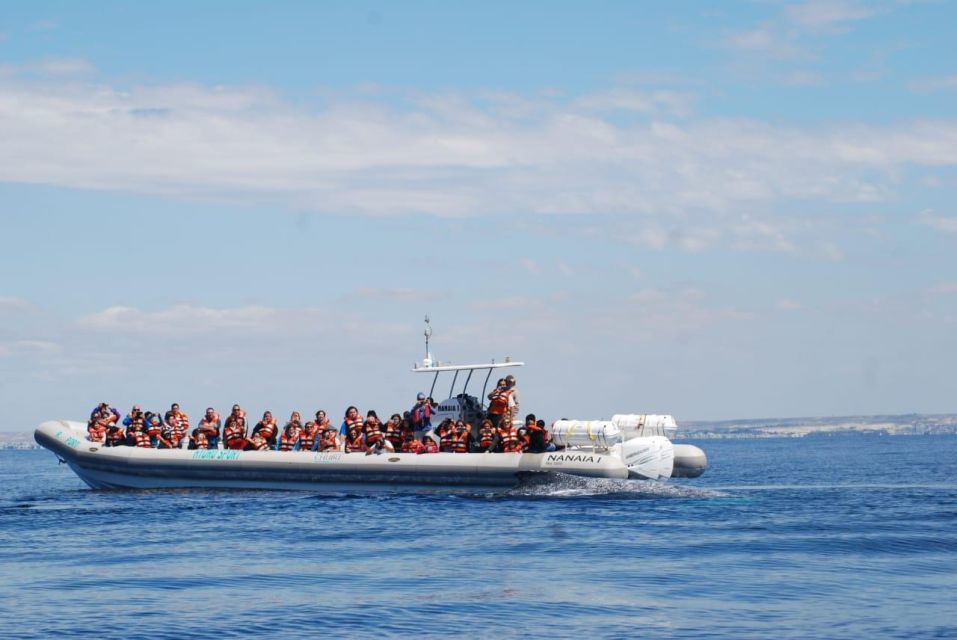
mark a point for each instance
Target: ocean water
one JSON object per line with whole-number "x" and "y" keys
{"x": 825, "y": 537}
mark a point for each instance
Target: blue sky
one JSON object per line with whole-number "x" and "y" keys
{"x": 714, "y": 210}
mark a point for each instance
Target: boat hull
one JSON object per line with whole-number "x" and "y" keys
{"x": 141, "y": 468}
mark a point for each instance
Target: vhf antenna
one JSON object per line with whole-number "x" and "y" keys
{"x": 428, "y": 334}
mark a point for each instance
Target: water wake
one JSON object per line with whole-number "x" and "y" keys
{"x": 559, "y": 485}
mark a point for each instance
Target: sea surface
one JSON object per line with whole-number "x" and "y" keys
{"x": 820, "y": 537}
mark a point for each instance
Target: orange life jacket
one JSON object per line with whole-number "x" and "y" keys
{"x": 393, "y": 433}
{"x": 373, "y": 432}
{"x": 287, "y": 441}
{"x": 429, "y": 446}
{"x": 446, "y": 441}
{"x": 143, "y": 440}
{"x": 327, "y": 440}
{"x": 486, "y": 437}
{"x": 199, "y": 440}
{"x": 411, "y": 446}
{"x": 460, "y": 442}
{"x": 510, "y": 440}
{"x": 234, "y": 435}
{"x": 354, "y": 441}
{"x": 115, "y": 436}
{"x": 182, "y": 419}
{"x": 498, "y": 404}
{"x": 308, "y": 437}
{"x": 97, "y": 432}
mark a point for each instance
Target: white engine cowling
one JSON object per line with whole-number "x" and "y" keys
{"x": 651, "y": 458}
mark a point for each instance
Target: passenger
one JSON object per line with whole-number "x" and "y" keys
{"x": 444, "y": 433}
{"x": 380, "y": 446}
{"x": 536, "y": 434}
{"x": 410, "y": 444}
{"x": 112, "y": 415}
{"x": 135, "y": 414}
{"x": 497, "y": 403}
{"x": 170, "y": 437}
{"x": 487, "y": 437}
{"x": 352, "y": 419}
{"x": 234, "y": 433}
{"x": 309, "y": 438}
{"x": 181, "y": 419}
{"x": 291, "y": 437}
{"x": 154, "y": 429}
{"x": 198, "y": 439}
{"x": 461, "y": 437}
{"x": 256, "y": 442}
{"x": 421, "y": 414}
{"x": 355, "y": 438}
{"x": 373, "y": 430}
{"x": 428, "y": 445}
{"x": 178, "y": 433}
{"x": 321, "y": 420}
{"x": 549, "y": 444}
{"x": 329, "y": 439}
{"x": 509, "y": 441}
{"x": 114, "y": 435}
{"x": 267, "y": 428}
{"x": 209, "y": 424}
{"x": 393, "y": 431}
{"x": 96, "y": 428}
{"x": 135, "y": 430}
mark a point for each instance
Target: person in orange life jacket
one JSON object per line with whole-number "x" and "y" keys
{"x": 355, "y": 439}
{"x": 198, "y": 439}
{"x": 410, "y": 444}
{"x": 256, "y": 442}
{"x": 393, "y": 431}
{"x": 421, "y": 414}
{"x": 134, "y": 414}
{"x": 290, "y": 439}
{"x": 351, "y": 419}
{"x": 267, "y": 428}
{"x": 154, "y": 429}
{"x": 329, "y": 439}
{"x": 461, "y": 437}
{"x": 373, "y": 429}
{"x": 497, "y": 403}
{"x": 134, "y": 428}
{"x": 176, "y": 417}
{"x": 209, "y": 425}
{"x": 487, "y": 440}
{"x": 169, "y": 438}
{"x": 549, "y": 444}
{"x": 96, "y": 429}
{"x": 509, "y": 441}
{"x": 428, "y": 445}
{"x": 309, "y": 438}
{"x": 114, "y": 436}
{"x": 444, "y": 434}
{"x": 234, "y": 433}
{"x": 322, "y": 421}
{"x": 536, "y": 434}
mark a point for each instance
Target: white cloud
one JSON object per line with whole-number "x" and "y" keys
{"x": 822, "y": 15}
{"x": 685, "y": 182}
{"x": 181, "y": 319}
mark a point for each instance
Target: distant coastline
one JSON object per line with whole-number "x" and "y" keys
{"x": 911, "y": 424}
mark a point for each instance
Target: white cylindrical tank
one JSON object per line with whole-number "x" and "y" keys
{"x": 634, "y": 425}
{"x": 587, "y": 433}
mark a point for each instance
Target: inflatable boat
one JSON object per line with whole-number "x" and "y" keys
{"x": 626, "y": 446}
